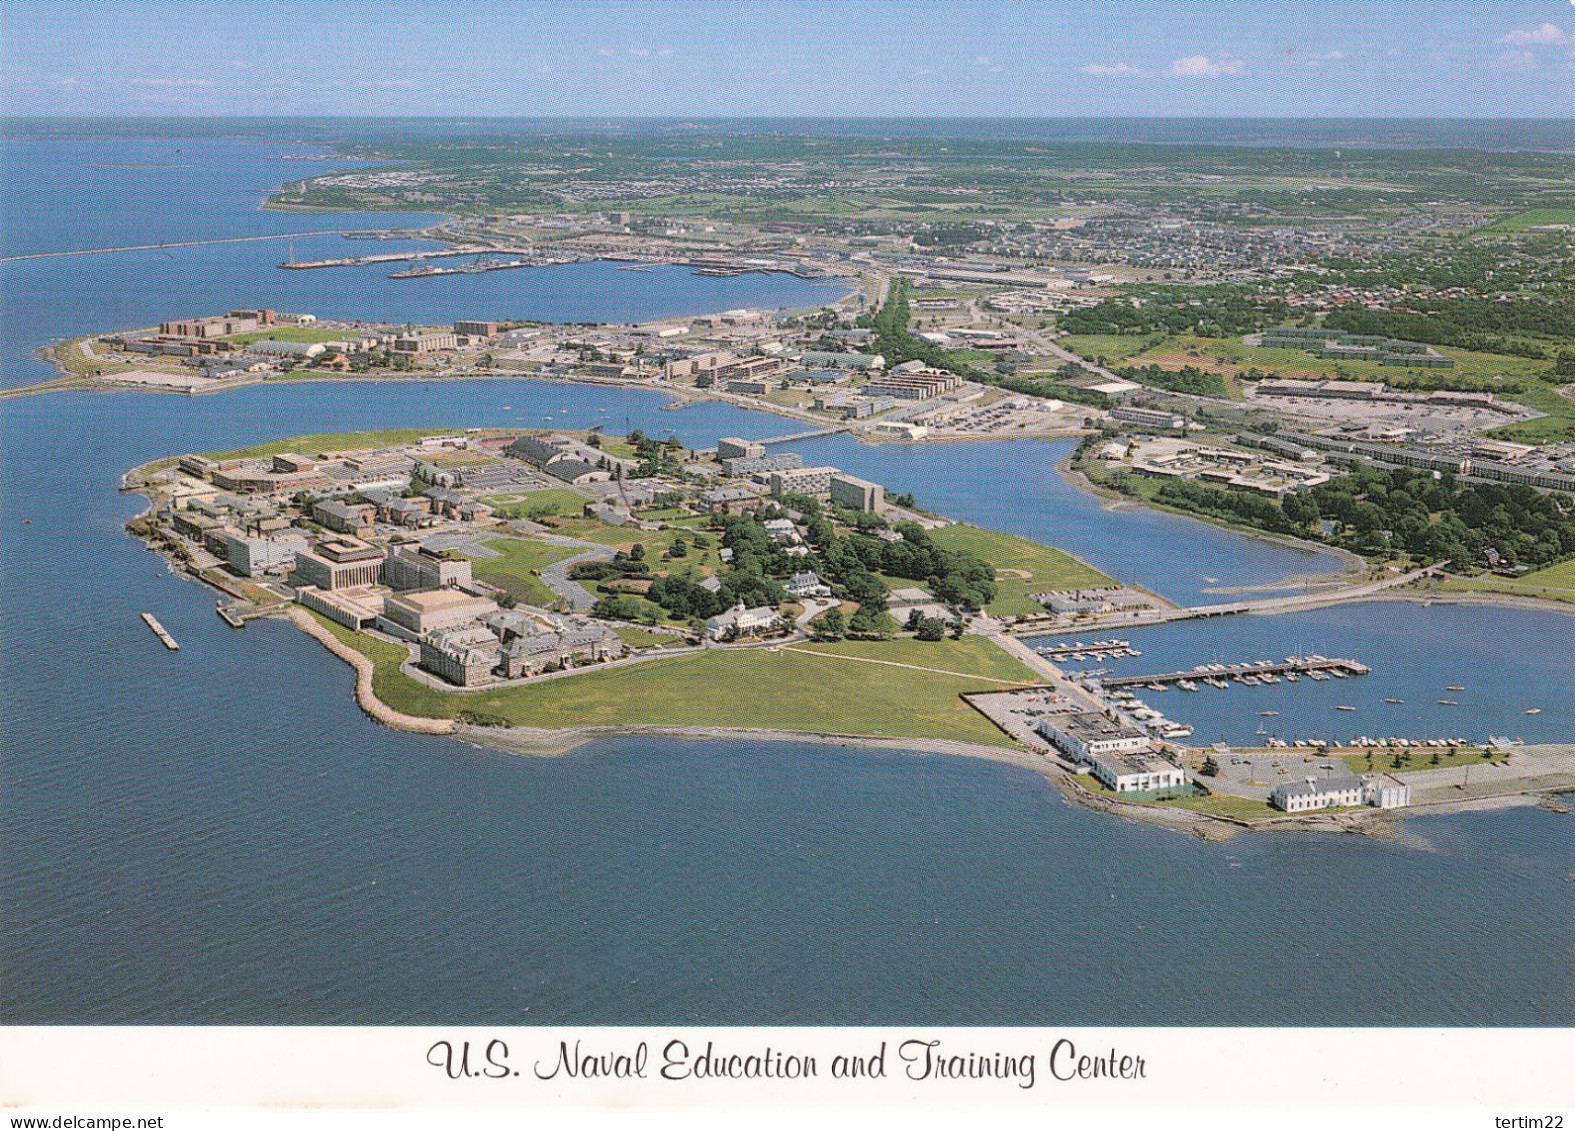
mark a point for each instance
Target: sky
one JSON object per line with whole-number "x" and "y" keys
{"x": 763, "y": 58}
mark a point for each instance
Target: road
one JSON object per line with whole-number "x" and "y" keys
{"x": 556, "y": 577}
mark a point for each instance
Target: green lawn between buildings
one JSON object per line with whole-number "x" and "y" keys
{"x": 516, "y": 568}
{"x": 1048, "y": 568}
{"x": 787, "y": 690}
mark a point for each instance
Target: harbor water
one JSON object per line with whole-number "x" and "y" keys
{"x": 218, "y": 835}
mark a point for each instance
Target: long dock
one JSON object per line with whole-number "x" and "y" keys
{"x": 158, "y": 630}
{"x": 1098, "y": 650}
{"x": 1295, "y": 665}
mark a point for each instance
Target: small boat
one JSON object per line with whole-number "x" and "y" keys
{"x": 1394, "y": 700}
{"x": 1345, "y": 708}
{"x": 1268, "y": 714}
{"x": 1454, "y": 687}
{"x": 1447, "y": 703}
{"x": 1534, "y": 711}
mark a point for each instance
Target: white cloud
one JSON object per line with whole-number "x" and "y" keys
{"x": 1517, "y": 61}
{"x": 639, "y": 52}
{"x": 1206, "y": 67}
{"x": 606, "y": 52}
{"x": 1548, "y": 35}
{"x": 171, "y": 82}
{"x": 1111, "y": 70}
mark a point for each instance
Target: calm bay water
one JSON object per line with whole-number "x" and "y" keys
{"x": 218, "y": 835}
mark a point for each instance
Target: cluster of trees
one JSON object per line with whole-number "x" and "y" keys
{"x": 1482, "y": 324}
{"x": 1375, "y": 511}
{"x": 897, "y": 344}
{"x": 1212, "y": 312}
{"x": 1188, "y": 379}
{"x": 657, "y": 457}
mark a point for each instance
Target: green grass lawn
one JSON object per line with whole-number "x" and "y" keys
{"x": 548, "y": 500}
{"x": 746, "y": 688}
{"x": 969, "y": 656}
{"x": 516, "y": 569}
{"x": 293, "y": 334}
{"x": 1535, "y": 217}
{"x": 1047, "y": 568}
{"x": 1383, "y": 760}
{"x": 335, "y": 442}
{"x": 638, "y": 639}
{"x": 1114, "y": 347}
{"x": 1555, "y": 583}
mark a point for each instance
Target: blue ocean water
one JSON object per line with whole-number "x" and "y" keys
{"x": 218, "y": 835}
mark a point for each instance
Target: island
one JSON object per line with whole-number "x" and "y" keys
{"x": 532, "y": 589}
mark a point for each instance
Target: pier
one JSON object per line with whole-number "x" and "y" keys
{"x": 387, "y": 257}
{"x": 1098, "y": 650}
{"x": 1218, "y": 675}
{"x": 158, "y": 630}
{"x": 794, "y": 437}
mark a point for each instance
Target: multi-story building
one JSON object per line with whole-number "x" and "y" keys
{"x": 531, "y": 654}
{"x": 463, "y": 656}
{"x": 1089, "y": 734}
{"x": 220, "y": 325}
{"x": 857, "y": 494}
{"x": 739, "y": 467}
{"x": 1333, "y": 787}
{"x": 338, "y": 563}
{"x": 730, "y": 447}
{"x": 1136, "y": 773}
{"x": 429, "y": 342}
{"x": 812, "y": 481}
{"x": 343, "y": 517}
{"x": 431, "y": 610}
{"x": 410, "y": 567}
{"x": 1150, "y": 418}
{"x": 250, "y": 556}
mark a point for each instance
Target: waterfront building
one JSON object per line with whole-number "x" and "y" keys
{"x": 1150, "y": 418}
{"x": 219, "y": 325}
{"x": 857, "y": 494}
{"x": 410, "y": 567}
{"x": 428, "y": 342}
{"x": 730, "y": 447}
{"x": 430, "y": 610}
{"x": 812, "y": 481}
{"x": 740, "y": 467}
{"x": 1386, "y": 792}
{"x": 1136, "y": 773}
{"x": 533, "y": 653}
{"x": 357, "y": 607}
{"x": 1333, "y": 787}
{"x": 1089, "y": 734}
{"x": 463, "y": 656}
{"x": 476, "y": 329}
{"x": 913, "y": 384}
{"x": 338, "y": 563}
{"x": 250, "y": 556}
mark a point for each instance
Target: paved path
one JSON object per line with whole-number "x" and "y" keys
{"x": 556, "y": 577}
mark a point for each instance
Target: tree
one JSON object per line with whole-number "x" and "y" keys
{"x": 931, "y": 629}
{"x": 829, "y": 626}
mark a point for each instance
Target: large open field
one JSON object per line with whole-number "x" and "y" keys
{"x": 1021, "y": 567}
{"x": 518, "y": 563}
{"x": 335, "y": 442}
{"x": 291, "y": 334}
{"x": 1554, "y": 583}
{"x": 793, "y": 689}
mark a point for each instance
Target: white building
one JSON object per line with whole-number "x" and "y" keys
{"x": 742, "y": 621}
{"x": 1334, "y": 786}
{"x": 1088, "y": 735}
{"x": 1136, "y": 773}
